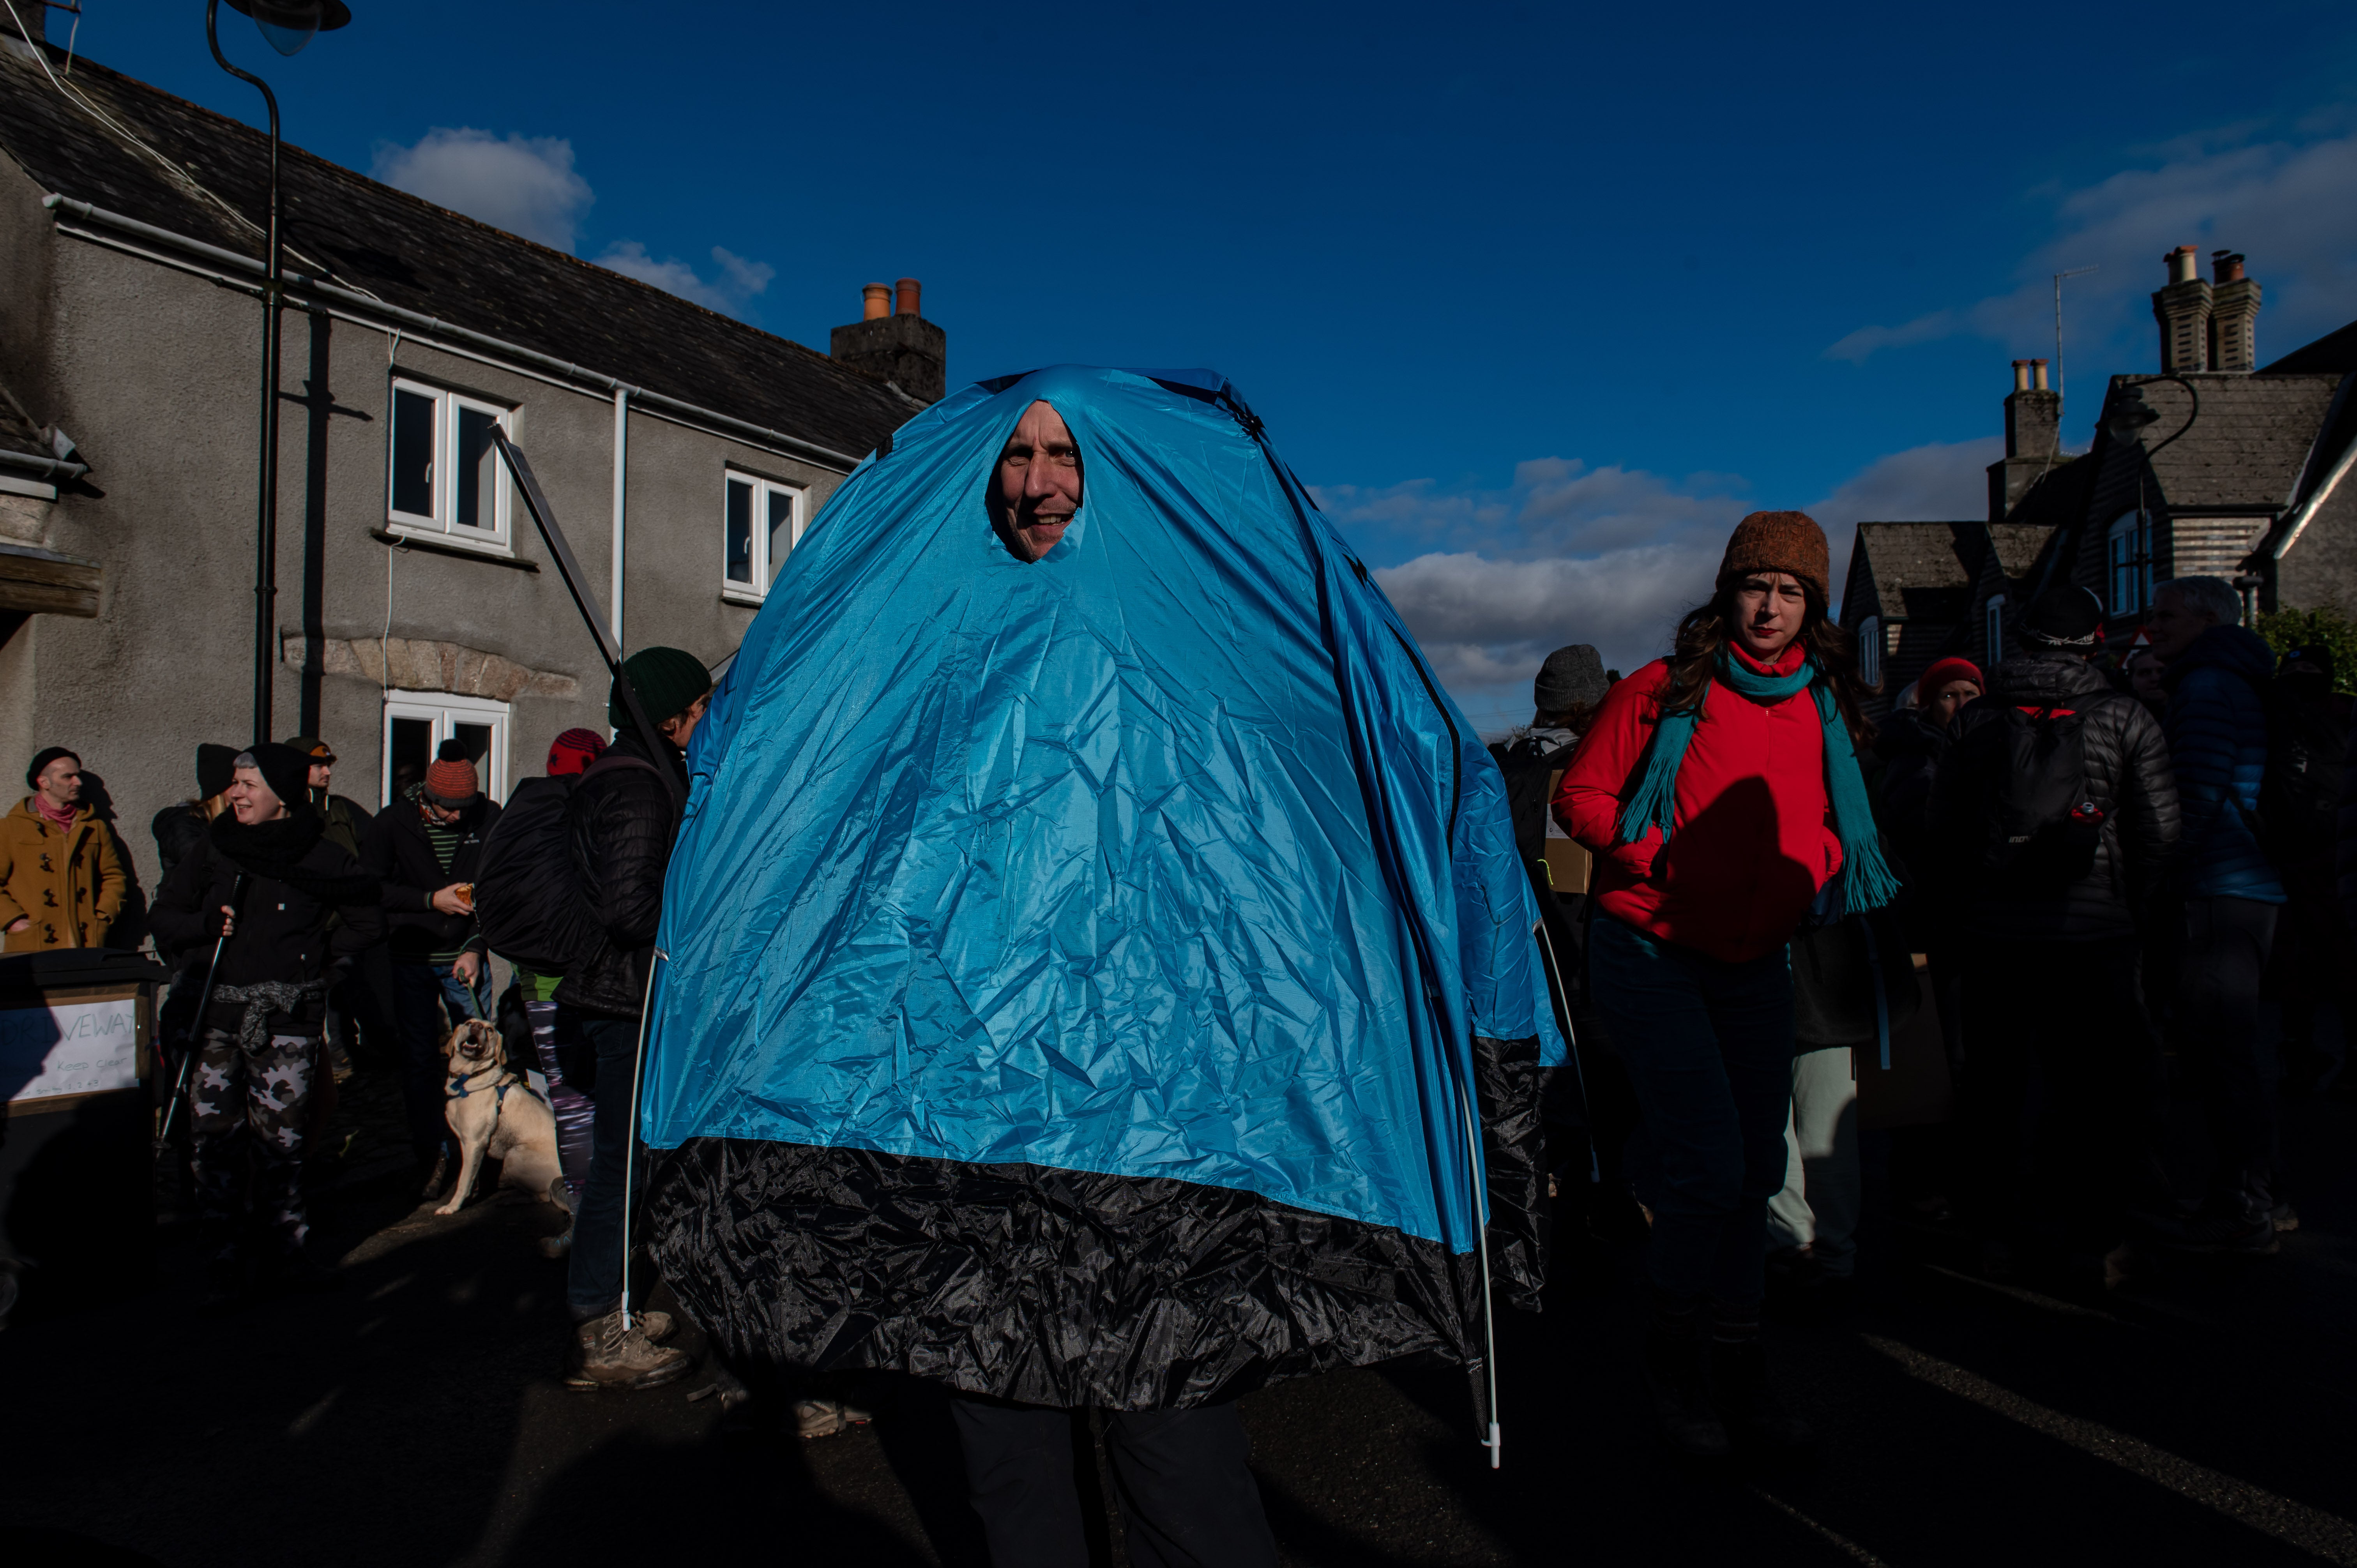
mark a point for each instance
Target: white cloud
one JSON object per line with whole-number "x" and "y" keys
{"x": 525, "y": 185}
{"x": 1610, "y": 556}
{"x": 739, "y": 280}
{"x": 2284, "y": 204}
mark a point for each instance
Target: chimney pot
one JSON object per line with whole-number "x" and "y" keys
{"x": 2183, "y": 265}
{"x": 2038, "y": 374}
{"x": 2226, "y": 267}
{"x": 877, "y": 302}
{"x": 2021, "y": 375}
{"x": 909, "y": 289}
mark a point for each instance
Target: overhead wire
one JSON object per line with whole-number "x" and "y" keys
{"x": 177, "y": 172}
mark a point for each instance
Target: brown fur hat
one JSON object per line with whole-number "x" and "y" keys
{"x": 1779, "y": 542}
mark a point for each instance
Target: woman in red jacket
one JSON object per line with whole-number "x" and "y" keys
{"x": 1719, "y": 791}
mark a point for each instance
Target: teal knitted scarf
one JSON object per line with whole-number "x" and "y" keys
{"x": 1867, "y": 880}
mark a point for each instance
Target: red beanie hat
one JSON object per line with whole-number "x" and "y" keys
{"x": 1944, "y": 672}
{"x": 574, "y": 750}
{"x": 451, "y": 781}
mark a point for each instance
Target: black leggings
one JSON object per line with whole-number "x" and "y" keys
{"x": 1187, "y": 1498}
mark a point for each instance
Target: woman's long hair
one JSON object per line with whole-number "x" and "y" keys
{"x": 1706, "y": 629}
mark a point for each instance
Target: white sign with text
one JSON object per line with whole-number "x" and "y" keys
{"x": 73, "y": 1048}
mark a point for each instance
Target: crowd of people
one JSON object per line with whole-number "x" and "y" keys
{"x": 2093, "y": 873}
{"x": 2111, "y": 883}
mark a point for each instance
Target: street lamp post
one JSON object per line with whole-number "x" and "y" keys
{"x": 286, "y": 26}
{"x": 2125, "y": 424}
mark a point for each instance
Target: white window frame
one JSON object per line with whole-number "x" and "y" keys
{"x": 442, "y": 525}
{"x": 1869, "y": 651}
{"x": 765, "y": 569}
{"x": 446, "y": 711}
{"x": 1993, "y": 623}
{"x": 2130, "y": 567}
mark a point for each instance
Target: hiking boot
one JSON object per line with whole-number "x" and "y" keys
{"x": 824, "y": 1418}
{"x": 1682, "y": 1405}
{"x": 1755, "y": 1417}
{"x": 608, "y": 1356}
{"x": 2227, "y": 1230}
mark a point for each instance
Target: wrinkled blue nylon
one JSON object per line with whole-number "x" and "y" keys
{"x": 1136, "y": 859}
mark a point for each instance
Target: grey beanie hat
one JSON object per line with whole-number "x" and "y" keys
{"x": 1571, "y": 677}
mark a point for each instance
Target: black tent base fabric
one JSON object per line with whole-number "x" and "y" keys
{"x": 1067, "y": 1288}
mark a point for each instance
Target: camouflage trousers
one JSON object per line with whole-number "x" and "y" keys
{"x": 246, "y": 1110}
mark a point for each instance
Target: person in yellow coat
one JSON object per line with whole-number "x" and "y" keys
{"x": 61, "y": 877}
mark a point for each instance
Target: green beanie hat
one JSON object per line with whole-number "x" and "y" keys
{"x": 669, "y": 680}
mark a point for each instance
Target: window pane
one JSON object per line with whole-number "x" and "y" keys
{"x": 412, "y": 747}
{"x": 413, "y": 453}
{"x": 782, "y": 528}
{"x": 478, "y": 470}
{"x": 740, "y": 533}
{"x": 477, "y": 739}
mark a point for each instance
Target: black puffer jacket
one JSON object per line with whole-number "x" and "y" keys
{"x": 296, "y": 878}
{"x": 397, "y": 850}
{"x": 619, "y": 825}
{"x": 2127, "y": 774}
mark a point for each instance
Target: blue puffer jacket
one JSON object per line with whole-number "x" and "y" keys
{"x": 2217, "y": 726}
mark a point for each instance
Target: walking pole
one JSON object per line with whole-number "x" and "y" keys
{"x": 544, "y": 519}
{"x": 1571, "y": 1049}
{"x": 204, "y": 1004}
{"x": 630, "y": 1134}
{"x": 1495, "y": 1442}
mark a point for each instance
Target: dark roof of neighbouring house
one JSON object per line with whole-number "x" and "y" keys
{"x": 411, "y": 253}
{"x": 1914, "y": 568}
{"x": 2335, "y": 351}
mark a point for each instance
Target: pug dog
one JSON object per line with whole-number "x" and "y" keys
{"x": 494, "y": 1114}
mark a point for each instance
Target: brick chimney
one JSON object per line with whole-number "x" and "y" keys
{"x": 893, "y": 342}
{"x": 2183, "y": 311}
{"x": 2033, "y": 438}
{"x": 2234, "y": 315}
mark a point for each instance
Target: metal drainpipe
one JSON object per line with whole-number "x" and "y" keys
{"x": 265, "y": 531}
{"x": 622, "y": 490}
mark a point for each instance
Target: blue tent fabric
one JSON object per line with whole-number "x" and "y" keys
{"x": 1163, "y": 862}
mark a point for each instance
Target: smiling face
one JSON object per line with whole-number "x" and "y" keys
{"x": 250, "y": 801}
{"x": 1036, "y": 488}
{"x": 1769, "y": 608}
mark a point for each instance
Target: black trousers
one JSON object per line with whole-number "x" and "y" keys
{"x": 2060, "y": 1099}
{"x": 2220, "y": 970}
{"x": 1187, "y": 1498}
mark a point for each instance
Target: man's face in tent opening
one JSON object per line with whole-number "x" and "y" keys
{"x": 1038, "y": 484}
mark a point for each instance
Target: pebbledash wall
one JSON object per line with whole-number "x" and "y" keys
{"x": 145, "y": 354}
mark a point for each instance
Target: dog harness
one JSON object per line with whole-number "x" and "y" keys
{"x": 459, "y": 1091}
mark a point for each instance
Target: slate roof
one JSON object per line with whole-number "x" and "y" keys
{"x": 1914, "y": 569}
{"x": 2248, "y": 447}
{"x": 360, "y": 234}
{"x": 2018, "y": 546}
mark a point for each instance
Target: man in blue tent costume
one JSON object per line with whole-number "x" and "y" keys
{"x": 1093, "y": 941}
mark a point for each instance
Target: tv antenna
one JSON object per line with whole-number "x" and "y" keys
{"x": 2059, "y": 381}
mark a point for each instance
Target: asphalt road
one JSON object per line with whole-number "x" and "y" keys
{"x": 2202, "y": 1415}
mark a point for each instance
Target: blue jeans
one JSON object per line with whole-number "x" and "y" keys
{"x": 421, "y": 992}
{"x": 1709, "y": 1046}
{"x": 608, "y": 1049}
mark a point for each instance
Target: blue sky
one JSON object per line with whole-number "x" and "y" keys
{"x": 1539, "y": 298}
